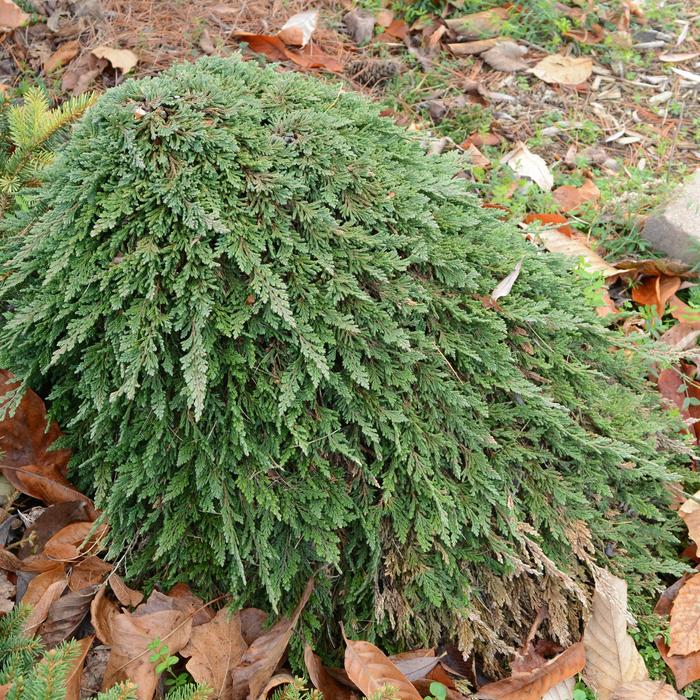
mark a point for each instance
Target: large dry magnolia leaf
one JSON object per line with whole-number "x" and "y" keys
{"x": 323, "y": 681}
{"x": 646, "y": 690}
{"x": 528, "y": 164}
{"x": 685, "y": 619}
{"x": 27, "y": 461}
{"x": 561, "y": 691}
{"x": 611, "y": 656}
{"x": 214, "y": 650}
{"x": 297, "y": 30}
{"x": 372, "y": 671}
{"x": 260, "y": 660}
{"x": 11, "y": 16}
{"x": 534, "y": 684}
{"x": 555, "y": 241}
{"x": 123, "y": 59}
{"x": 566, "y": 70}
{"x": 506, "y": 56}
{"x": 129, "y": 635}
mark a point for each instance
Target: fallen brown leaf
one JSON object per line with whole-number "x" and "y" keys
{"x": 372, "y": 671}
{"x": 62, "y": 55}
{"x": 261, "y": 658}
{"x": 76, "y": 540}
{"x": 102, "y": 610}
{"x": 690, "y": 514}
{"x": 506, "y": 56}
{"x": 565, "y": 70}
{"x": 41, "y": 609}
{"x": 646, "y": 690}
{"x": 51, "y": 521}
{"x": 128, "y": 597}
{"x": 65, "y": 615}
{"x": 89, "y": 572}
{"x": 274, "y": 48}
{"x": 685, "y": 619}
{"x": 323, "y": 681}
{"x": 415, "y": 664}
{"x": 532, "y": 685}
{"x": 38, "y": 585}
{"x": 214, "y": 650}
{"x": 75, "y": 673}
{"x": 479, "y": 25}
{"x": 7, "y": 594}
{"x": 123, "y": 59}
{"x": 473, "y": 48}
{"x": 129, "y": 635}
{"x": 253, "y": 621}
{"x": 569, "y": 197}
{"x": 28, "y": 462}
{"x": 277, "y": 680}
{"x": 611, "y": 656}
{"x": 11, "y": 16}
{"x": 656, "y": 291}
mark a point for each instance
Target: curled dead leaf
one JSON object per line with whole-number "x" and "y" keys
{"x": 646, "y": 690}
{"x": 128, "y": 597}
{"x": 506, "y": 56}
{"x": 11, "y": 16}
{"x": 75, "y": 541}
{"x": 65, "y": 615}
{"x": 569, "y": 197}
{"x": 528, "y": 164}
{"x": 297, "y": 30}
{"x": 323, "y": 681}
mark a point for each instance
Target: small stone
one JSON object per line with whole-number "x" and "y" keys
{"x": 675, "y": 229}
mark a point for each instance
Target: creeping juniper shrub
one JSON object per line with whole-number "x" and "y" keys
{"x": 258, "y": 310}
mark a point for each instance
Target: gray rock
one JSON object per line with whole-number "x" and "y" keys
{"x": 675, "y": 229}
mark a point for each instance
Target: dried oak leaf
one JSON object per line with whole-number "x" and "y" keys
{"x": 532, "y": 685}
{"x": 261, "y": 658}
{"x": 685, "y": 619}
{"x": 274, "y": 48}
{"x": 129, "y": 635}
{"x": 646, "y": 690}
{"x": 372, "y": 671}
{"x": 214, "y": 650}
{"x": 123, "y": 59}
{"x": 65, "y": 615}
{"x": 28, "y": 462}
{"x": 611, "y": 656}
{"x": 323, "y": 681}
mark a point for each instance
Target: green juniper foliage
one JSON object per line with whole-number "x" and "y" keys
{"x": 257, "y": 309}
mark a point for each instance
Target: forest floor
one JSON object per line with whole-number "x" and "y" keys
{"x": 579, "y": 149}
